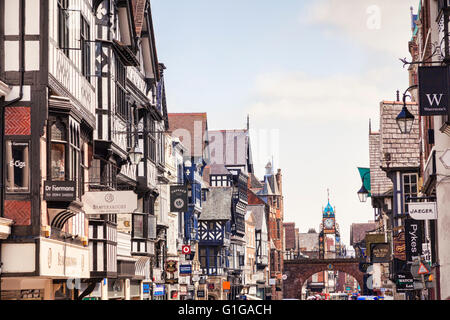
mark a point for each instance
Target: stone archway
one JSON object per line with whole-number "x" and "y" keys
{"x": 298, "y": 271}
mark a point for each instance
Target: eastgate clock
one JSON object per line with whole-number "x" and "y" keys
{"x": 329, "y": 223}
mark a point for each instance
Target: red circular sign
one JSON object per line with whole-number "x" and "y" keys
{"x": 186, "y": 249}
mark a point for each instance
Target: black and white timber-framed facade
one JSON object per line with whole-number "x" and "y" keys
{"x": 80, "y": 86}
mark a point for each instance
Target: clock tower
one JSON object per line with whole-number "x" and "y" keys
{"x": 328, "y": 229}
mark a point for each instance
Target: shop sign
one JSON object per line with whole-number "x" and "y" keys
{"x": 433, "y": 90}
{"x": 146, "y": 288}
{"x": 200, "y": 293}
{"x": 404, "y": 282}
{"x": 400, "y": 246}
{"x": 272, "y": 282}
{"x": 159, "y": 290}
{"x": 59, "y": 259}
{"x": 186, "y": 249}
{"x": 363, "y": 266}
{"x": 178, "y": 198}
{"x": 413, "y": 238}
{"x": 380, "y": 252}
{"x": 172, "y": 281}
{"x": 109, "y": 202}
{"x": 422, "y": 210}
{"x": 171, "y": 266}
{"x": 59, "y": 191}
{"x": 185, "y": 269}
{"x": 210, "y": 286}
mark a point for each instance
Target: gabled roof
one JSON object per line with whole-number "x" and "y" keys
{"x": 218, "y": 204}
{"x": 231, "y": 148}
{"x": 270, "y": 187}
{"x": 259, "y": 213}
{"x": 358, "y": 231}
{"x": 191, "y": 129}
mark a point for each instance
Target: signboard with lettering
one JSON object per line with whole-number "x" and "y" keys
{"x": 185, "y": 269}
{"x": 413, "y": 238}
{"x": 57, "y": 259}
{"x": 109, "y": 202}
{"x": 178, "y": 198}
{"x": 60, "y": 190}
{"x": 400, "y": 246}
{"x": 433, "y": 90}
{"x": 404, "y": 282}
{"x": 422, "y": 210}
{"x": 380, "y": 252}
{"x": 159, "y": 290}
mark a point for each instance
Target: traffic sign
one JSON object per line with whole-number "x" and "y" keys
{"x": 423, "y": 269}
{"x": 186, "y": 249}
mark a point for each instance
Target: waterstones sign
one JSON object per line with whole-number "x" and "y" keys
{"x": 109, "y": 202}
{"x": 433, "y": 90}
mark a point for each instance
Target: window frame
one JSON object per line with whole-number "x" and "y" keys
{"x": 63, "y": 26}
{"x": 410, "y": 185}
{"x": 85, "y": 38}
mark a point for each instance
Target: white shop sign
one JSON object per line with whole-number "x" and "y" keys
{"x": 63, "y": 260}
{"x": 423, "y": 210}
{"x": 109, "y": 202}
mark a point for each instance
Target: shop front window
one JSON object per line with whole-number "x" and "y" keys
{"x": 18, "y": 166}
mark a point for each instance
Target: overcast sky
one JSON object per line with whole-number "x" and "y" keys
{"x": 309, "y": 73}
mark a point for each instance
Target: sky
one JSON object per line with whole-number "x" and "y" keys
{"x": 310, "y": 75}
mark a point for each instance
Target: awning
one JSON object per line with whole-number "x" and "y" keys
{"x": 58, "y": 217}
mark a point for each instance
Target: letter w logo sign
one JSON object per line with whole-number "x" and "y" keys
{"x": 432, "y": 98}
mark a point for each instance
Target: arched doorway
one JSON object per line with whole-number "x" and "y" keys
{"x": 299, "y": 271}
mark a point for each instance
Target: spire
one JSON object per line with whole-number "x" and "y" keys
{"x": 370, "y": 126}
{"x": 248, "y": 122}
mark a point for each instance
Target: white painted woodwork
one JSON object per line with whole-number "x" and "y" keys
{"x": 11, "y": 22}
{"x": 32, "y": 56}
{"x": 32, "y": 16}
{"x": 11, "y": 61}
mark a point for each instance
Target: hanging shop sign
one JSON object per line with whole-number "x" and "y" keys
{"x": 400, "y": 246}
{"x": 433, "y": 90}
{"x": 159, "y": 290}
{"x": 379, "y": 252}
{"x": 178, "y": 198}
{"x": 171, "y": 266}
{"x": 422, "y": 210}
{"x": 413, "y": 238}
{"x": 200, "y": 293}
{"x": 186, "y": 249}
{"x": 60, "y": 190}
{"x": 185, "y": 269}
{"x": 109, "y": 202}
{"x": 404, "y": 282}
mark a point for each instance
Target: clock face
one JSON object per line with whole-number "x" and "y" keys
{"x": 329, "y": 223}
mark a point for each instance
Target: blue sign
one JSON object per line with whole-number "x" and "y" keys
{"x": 159, "y": 290}
{"x": 146, "y": 288}
{"x": 185, "y": 269}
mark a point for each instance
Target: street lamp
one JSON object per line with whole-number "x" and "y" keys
{"x": 135, "y": 155}
{"x": 405, "y": 119}
{"x": 363, "y": 194}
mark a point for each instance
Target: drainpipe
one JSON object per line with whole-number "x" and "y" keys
{"x": 22, "y": 77}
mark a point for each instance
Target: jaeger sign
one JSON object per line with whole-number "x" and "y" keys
{"x": 433, "y": 90}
